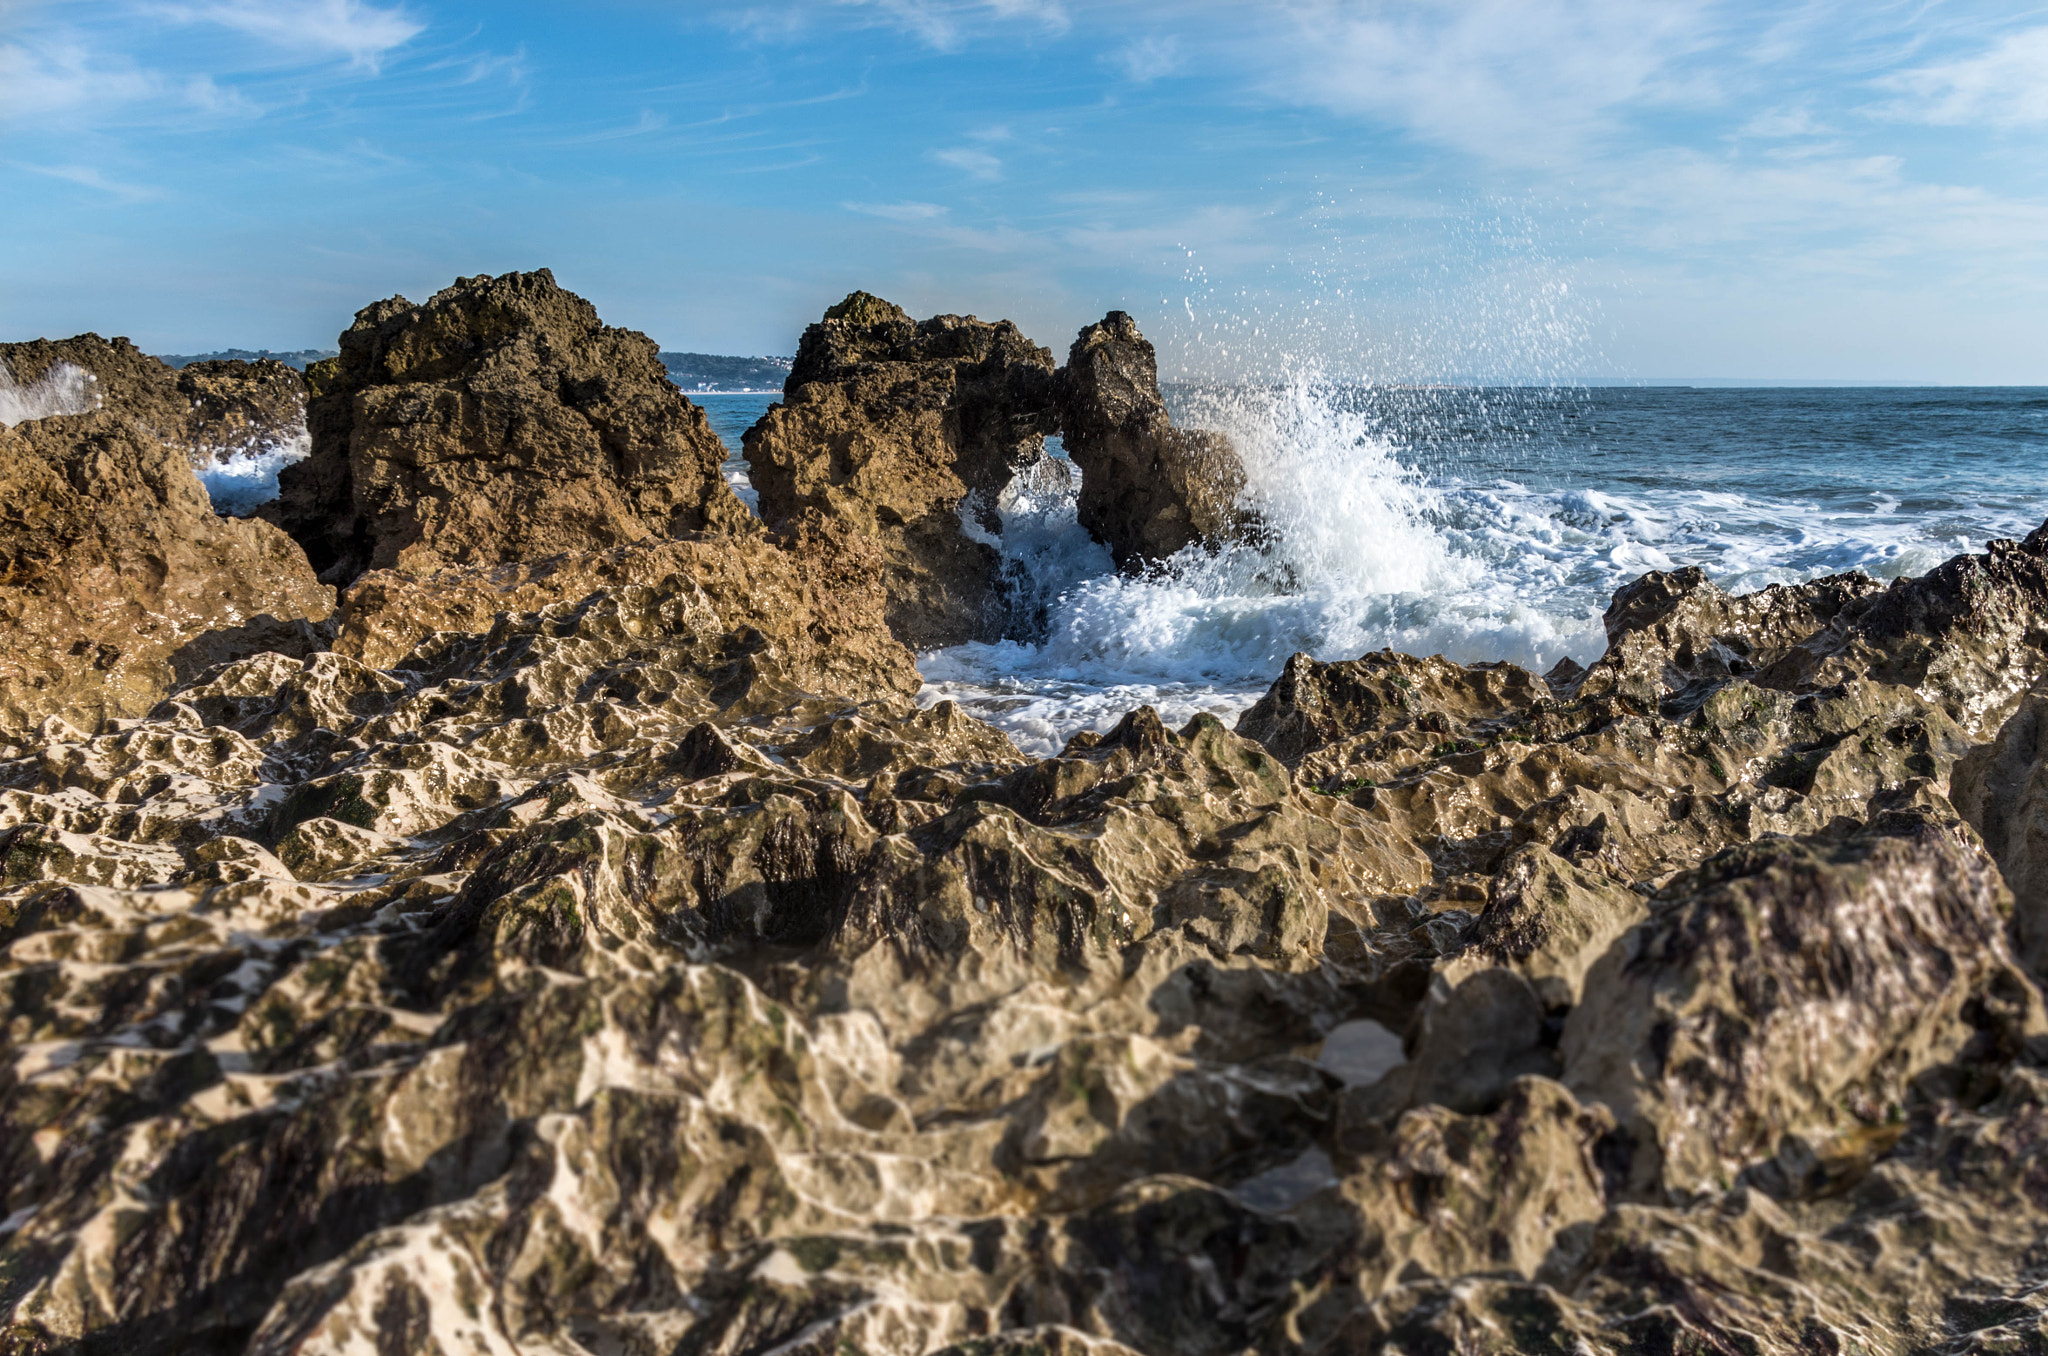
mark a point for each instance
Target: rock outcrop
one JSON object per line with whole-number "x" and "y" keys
{"x": 500, "y": 421}
{"x": 2002, "y": 789}
{"x": 239, "y": 409}
{"x": 603, "y": 952}
{"x": 1148, "y": 489}
{"x": 116, "y": 579}
{"x": 908, "y": 431}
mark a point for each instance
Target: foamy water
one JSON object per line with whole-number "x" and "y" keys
{"x": 1493, "y": 544}
{"x": 246, "y": 479}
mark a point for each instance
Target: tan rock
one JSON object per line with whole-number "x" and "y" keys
{"x": 1790, "y": 988}
{"x": 500, "y": 421}
{"x": 2002, "y": 789}
{"x": 116, "y": 578}
{"x": 906, "y": 432}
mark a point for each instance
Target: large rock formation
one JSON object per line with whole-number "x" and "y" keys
{"x": 907, "y": 431}
{"x": 116, "y": 578}
{"x": 500, "y": 421}
{"x": 603, "y": 954}
{"x": 1148, "y": 489}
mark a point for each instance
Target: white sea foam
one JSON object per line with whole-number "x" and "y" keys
{"x": 1363, "y": 551}
{"x": 65, "y": 389}
{"x": 245, "y": 479}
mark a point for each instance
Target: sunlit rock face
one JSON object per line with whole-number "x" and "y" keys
{"x": 603, "y": 952}
{"x": 117, "y": 581}
{"x": 907, "y": 431}
{"x": 500, "y": 421}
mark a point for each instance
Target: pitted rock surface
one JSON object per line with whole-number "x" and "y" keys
{"x": 500, "y": 421}
{"x": 907, "y": 431}
{"x": 573, "y": 961}
{"x": 116, "y": 579}
{"x": 242, "y": 408}
{"x": 1148, "y": 489}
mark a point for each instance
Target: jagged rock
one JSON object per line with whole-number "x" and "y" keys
{"x": 805, "y": 611}
{"x": 2002, "y": 789}
{"x": 1148, "y": 489}
{"x": 1313, "y": 705}
{"x": 1677, "y": 633}
{"x": 907, "y": 431}
{"x": 501, "y": 421}
{"x": 1792, "y": 989}
{"x": 116, "y": 578}
{"x": 239, "y": 408}
{"x": 602, "y": 953}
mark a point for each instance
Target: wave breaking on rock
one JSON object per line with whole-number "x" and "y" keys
{"x": 576, "y": 938}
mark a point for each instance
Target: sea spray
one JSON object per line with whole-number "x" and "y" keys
{"x": 243, "y": 479}
{"x": 1348, "y": 553}
{"x": 65, "y": 389}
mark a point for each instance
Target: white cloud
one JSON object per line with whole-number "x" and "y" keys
{"x": 1498, "y": 78}
{"x": 63, "y": 77}
{"x": 363, "y": 33}
{"x": 2005, "y": 86}
{"x": 87, "y": 177}
{"x": 977, "y": 164}
{"x": 1150, "y": 57}
{"x": 943, "y": 25}
{"x": 897, "y": 211}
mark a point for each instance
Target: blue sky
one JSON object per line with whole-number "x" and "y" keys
{"x": 1398, "y": 190}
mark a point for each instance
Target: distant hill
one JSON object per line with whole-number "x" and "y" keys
{"x": 298, "y": 357}
{"x": 712, "y": 372}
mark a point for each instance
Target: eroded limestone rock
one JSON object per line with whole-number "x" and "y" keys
{"x": 1148, "y": 489}
{"x": 500, "y": 421}
{"x": 2002, "y": 789}
{"x": 116, "y": 579}
{"x": 602, "y": 953}
{"x": 906, "y": 432}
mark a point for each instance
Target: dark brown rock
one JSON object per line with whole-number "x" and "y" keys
{"x": 500, "y": 421}
{"x": 907, "y": 431}
{"x": 1147, "y": 488}
{"x": 238, "y": 408}
{"x": 116, "y": 578}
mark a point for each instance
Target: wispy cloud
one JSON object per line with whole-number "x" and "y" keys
{"x": 60, "y": 77}
{"x": 971, "y": 162}
{"x": 897, "y": 211}
{"x": 363, "y": 33}
{"x": 87, "y": 177}
{"x": 942, "y": 25}
{"x": 1150, "y": 57}
{"x": 2003, "y": 86}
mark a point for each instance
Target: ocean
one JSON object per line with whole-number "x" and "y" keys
{"x": 1481, "y": 524}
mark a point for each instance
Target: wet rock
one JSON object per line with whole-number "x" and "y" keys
{"x": 2002, "y": 789}
{"x": 240, "y": 409}
{"x": 116, "y": 578}
{"x": 1148, "y": 489}
{"x": 500, "y": 421}
{"x": 1677, "y": 634}
{"x": 907, "y": 432}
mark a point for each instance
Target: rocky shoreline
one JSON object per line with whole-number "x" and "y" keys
{"x": 506, "y": 898}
